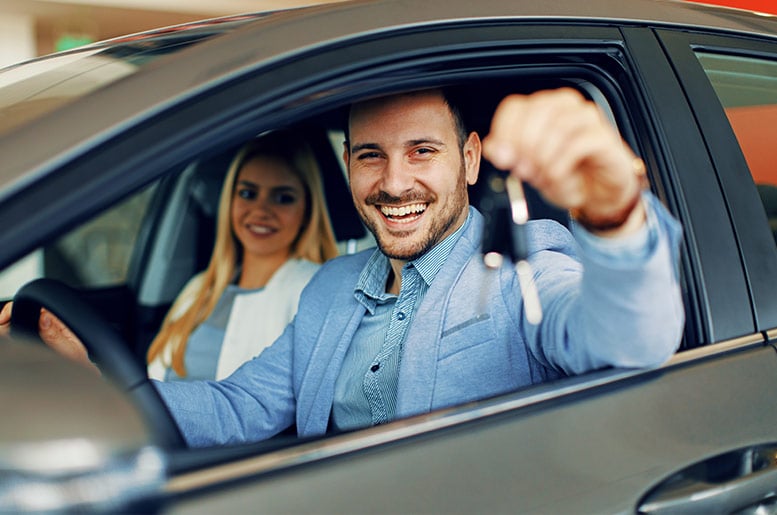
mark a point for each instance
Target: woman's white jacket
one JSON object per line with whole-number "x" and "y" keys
{"x": 255, "y": 321}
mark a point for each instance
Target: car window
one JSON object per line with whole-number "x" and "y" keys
{"x": 747, "y": 88}
{"x": 94, "y": 254}
{"x": 98, "y": 253}
{"x": 484, "y": 96}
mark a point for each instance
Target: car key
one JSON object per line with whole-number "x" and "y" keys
{"x": 506, "y": 211}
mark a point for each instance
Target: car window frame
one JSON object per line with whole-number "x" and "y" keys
{"x": 756, "y": 244}
{"x": 718, "y": 299}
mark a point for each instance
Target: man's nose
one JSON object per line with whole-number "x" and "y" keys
{"x": 397, "y": 178}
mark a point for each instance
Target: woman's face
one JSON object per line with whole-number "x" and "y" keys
{"x": 268, "y": 207}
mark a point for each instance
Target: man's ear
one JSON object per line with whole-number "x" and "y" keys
{"x": 471, "y": 151}
{"x": 346, "y": 154}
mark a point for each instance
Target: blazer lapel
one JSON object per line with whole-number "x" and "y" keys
{"x": 418, "y": 370}
{"x": 335, "y": 333}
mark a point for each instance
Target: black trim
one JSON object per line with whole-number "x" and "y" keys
{"x": 756, "y": 243}
{"x": 717, "y": 288}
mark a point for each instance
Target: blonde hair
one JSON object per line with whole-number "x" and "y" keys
{"x": 316, "y": 243}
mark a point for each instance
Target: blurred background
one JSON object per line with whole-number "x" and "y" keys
{"x": 29, "y": 28}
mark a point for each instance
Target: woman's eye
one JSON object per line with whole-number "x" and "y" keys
{"x": 285, "y": 198}
{"x": 246, "y": 193}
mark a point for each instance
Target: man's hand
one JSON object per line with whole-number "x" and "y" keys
{"x": 54, "y": 333}
{"x": 5, "y": 319}
{"x": 565, "y": 147}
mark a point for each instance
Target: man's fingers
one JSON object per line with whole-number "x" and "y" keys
{"x": 51, "y": 326}
{"x": 54, "y": 333}
{"x": 60, "y": 338}
{"x": 5, "y": 313}
{"x": 563, "y": 145}
{"x": 526, "y": 129}
{"x": 5, "y": 319}
{"x": 499, "y": 146}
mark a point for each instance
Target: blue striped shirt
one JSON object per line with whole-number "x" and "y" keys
{"x": 366, "y": 389}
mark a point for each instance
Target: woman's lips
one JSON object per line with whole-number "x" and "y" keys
{"x": 261, "y": 229}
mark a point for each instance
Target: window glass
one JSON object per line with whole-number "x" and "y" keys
{"x": 95, "y": 254}
{"x": 98, "y": 252}
{"x": 747, "y": 88}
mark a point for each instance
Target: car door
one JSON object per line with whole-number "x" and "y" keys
{"x": 603, "y": 442}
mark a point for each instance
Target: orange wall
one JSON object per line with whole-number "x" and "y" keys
{"x": 755, "y": 126}
{"x": 765, "y": 6}
{"x": 756, "y": 130}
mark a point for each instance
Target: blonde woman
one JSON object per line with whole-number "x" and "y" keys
{"x": 273, "y": 231}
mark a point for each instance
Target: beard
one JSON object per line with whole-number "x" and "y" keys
{"x": 410, "y": 245}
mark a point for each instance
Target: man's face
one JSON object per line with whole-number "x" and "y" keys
{"x": 408, "y": 173}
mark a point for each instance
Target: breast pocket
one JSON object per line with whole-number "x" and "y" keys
{"x": 467, "y": 334}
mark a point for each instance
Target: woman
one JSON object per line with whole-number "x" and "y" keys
{"x": 272, "y": 233}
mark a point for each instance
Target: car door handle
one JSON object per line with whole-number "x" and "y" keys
{"x": 743, "y": 479}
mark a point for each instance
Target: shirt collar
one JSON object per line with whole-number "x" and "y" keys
{"x": 371, "y": 285}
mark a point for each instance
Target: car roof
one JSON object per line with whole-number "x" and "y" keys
{"x": 255, "y": 40}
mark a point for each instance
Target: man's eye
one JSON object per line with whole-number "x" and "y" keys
{"x": 424, "y": 151}
{"x": 366, "y": 156}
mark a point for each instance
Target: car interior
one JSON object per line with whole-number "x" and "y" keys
{"x": 183, "y": 226}
{"x": 173, "y": 221}
{"x": 173, "y": 234}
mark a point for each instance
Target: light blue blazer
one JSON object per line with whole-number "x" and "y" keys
{"x": 469, "y": 339}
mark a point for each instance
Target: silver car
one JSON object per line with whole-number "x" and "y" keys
{"x": 112, "y": 157}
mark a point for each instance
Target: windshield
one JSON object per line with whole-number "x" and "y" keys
{"x": 31, "y": 89}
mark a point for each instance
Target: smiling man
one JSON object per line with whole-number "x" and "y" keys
{"x": 420, "y": 323}
{"x": 409, "y": 163}
{"x": 396, "y": 331}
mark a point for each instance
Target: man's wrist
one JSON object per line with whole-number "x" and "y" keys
{"x": 612, "y": 223}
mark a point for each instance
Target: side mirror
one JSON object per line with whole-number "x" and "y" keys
{"x": 69, "y": 440}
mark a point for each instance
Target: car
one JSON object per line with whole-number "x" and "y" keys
{"x": 112, "y": 159}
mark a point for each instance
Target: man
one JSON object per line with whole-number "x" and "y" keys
{"x": 399, "y": 331}
{"x": 421, "y": 323}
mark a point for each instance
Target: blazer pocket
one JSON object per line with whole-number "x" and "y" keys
{"x": 469, "y": 333}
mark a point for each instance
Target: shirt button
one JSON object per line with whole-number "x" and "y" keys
{"x": 401, "y": 315}
{"x": 375, "y": 367}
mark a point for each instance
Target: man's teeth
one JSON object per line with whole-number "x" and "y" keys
{"x": 403, "y": 210}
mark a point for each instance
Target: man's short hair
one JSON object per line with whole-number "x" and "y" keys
{"x": 450, "y": 99}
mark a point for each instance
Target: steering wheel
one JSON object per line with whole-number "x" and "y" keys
{"x": 106, "y": 348}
